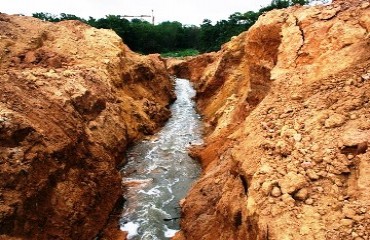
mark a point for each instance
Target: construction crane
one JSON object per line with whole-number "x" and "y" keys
{"x": 141, "y": 16}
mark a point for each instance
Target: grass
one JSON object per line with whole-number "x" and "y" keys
{"x": 181, "y": 53}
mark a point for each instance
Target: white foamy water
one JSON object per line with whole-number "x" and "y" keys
{"x": 169, "y": 232}
{"x": 131, "y": 228}
{"x": 151, "y": 210}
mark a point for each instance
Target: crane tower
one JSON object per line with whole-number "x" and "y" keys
{"x": 141, "y": 16}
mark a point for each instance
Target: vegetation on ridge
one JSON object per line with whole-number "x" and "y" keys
{"x": 175, "y": 38}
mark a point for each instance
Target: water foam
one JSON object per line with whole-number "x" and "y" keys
{"x": 131, "y": 228}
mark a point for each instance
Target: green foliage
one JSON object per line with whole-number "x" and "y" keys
{"x": 46, "y": 17}
{"x": 181, "y": 54}
{"x": 53, "y": 18}
{"x": 173, "y": 38}
{"x": 279, "y": 4}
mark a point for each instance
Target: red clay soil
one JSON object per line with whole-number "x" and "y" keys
{"x": 72, "y": 98}
{"x": 286, "y": 106}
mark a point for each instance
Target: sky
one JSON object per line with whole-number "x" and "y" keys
{"x": 185, "y": 11}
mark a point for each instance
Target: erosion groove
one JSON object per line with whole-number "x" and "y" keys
{"x": 72, "y": 98}
{"x": 286, "y": 106}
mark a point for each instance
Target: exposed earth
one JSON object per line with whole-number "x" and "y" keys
{"x": 72, "y": 98}
{"x": 285, "y": 105}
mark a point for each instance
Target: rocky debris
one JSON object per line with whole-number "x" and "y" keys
{"x": 312, "y": 174}
{"x": 297, "y": 128}
{"x": 72, "y": 98}
{"x": 292, "y": 182}
{"x": 301, "y": 194}
{"x": 335, "y": 120}
{"x": 276, "y": 192}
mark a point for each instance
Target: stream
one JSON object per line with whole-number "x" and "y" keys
{"x": 159, "y": 172}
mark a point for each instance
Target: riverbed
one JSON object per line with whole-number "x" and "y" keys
{"x": 159, "y": 172}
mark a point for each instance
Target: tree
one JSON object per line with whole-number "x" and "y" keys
{"x": 64, "y": 16}
{"x": 144, "y": 37}
{"x": 46, "y": 17}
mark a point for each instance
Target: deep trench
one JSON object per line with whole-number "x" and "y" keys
{"x": 159, "y": 172}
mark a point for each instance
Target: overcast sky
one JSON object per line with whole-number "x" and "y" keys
{"x": 185, "y": 11}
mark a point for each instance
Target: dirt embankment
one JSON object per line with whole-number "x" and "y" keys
{"x": 72, "y": 98}
{"x": 288, "y": 127}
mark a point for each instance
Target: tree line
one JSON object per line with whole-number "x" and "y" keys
{"x": 144, "y": 37}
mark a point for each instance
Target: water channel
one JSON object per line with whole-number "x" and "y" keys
{"x": 159, "y": 172}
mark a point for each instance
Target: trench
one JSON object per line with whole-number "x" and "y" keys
{"x": 159, "y": 172}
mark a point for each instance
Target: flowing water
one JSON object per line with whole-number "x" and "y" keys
{"x": 159, "y": 172}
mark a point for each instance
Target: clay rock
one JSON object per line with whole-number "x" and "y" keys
{"x": 69, "y": 100}
{"x": 287, "y": 199}
{"x": 312, "y": 174}
{"x": 288, "y": 132}
{"x": 276, "y": 192}
{"x": 283, "y": 148}
{"x": 365, "y": 77}
{"x": 346, "y": 222}
{"x": 292, "y": 182}
{"x": 302, "y": 194}
{"x": 301, "y": 139}
{"x": 349, "y": 212}
{"x": 335, "y": 120}
{"x": 354, "y": 141}
{"x": 267, "y": 187}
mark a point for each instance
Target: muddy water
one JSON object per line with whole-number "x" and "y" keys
{"x": 159, "y": 172}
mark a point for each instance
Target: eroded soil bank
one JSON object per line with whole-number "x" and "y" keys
{"x": 72, "y": 98}
{"x": 286, "y": 106}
